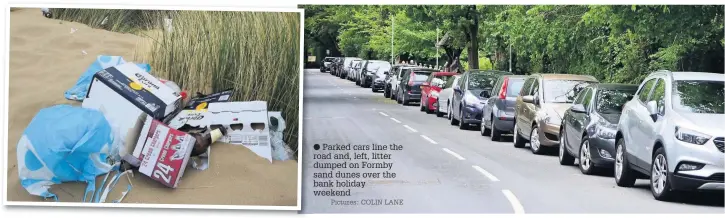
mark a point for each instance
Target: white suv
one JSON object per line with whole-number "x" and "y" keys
{"x": 672, "y": 132}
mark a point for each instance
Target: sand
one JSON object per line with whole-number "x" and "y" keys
{"x": 46, "y": 59}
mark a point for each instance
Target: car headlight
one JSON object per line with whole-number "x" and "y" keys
{"x": 606, "y": 133}
{"x": 552, "y": 119}
{"x": 691, "y": 136}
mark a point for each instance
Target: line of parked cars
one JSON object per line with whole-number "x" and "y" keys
{"x": 669, "y": 129}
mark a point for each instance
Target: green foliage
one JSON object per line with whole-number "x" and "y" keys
{"x": 615, "y": 43}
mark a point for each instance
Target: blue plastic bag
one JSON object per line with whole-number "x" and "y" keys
{"x": 79, "y": 91}
{"x": 64, "y": 144}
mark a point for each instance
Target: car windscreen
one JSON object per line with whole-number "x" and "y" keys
{"x": 563, "y": 91}
{"x": 611, "y": 101}
{"x": 481, "y": 81}
{"x": 699, "y": 96}
{"x": 514, "y": 87}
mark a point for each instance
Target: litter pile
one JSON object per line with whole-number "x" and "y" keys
{"x": 132, "y": 121}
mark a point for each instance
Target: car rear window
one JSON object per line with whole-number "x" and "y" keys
{"x": 699, "y": 96}
{"x": 421, "y": 76}
{"x": 514, "y": 87}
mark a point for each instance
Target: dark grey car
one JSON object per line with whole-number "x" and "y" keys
{"x": 409, "y": 87}
{"x": 499, "y": 111}
{"x": 589, "y": 127}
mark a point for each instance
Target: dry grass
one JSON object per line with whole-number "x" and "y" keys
{"x": 256, "y": 53}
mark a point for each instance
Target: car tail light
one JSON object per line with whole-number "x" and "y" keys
{"x": 502, "y": 94}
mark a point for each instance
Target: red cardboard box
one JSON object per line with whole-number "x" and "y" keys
{"x": 164, "y": 152}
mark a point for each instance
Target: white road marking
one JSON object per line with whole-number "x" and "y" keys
{"x": 410, "y": 128}
{"x": 518, "y": 208}
{"x": 486, "y": 173}
{"x": 381, "y": 113}
{"x": 397, "y": 121}
{"x": 429, "y": 140}
{"x": 454, "y": 154}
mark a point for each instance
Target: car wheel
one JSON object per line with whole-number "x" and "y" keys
{"x": 659, "y": 181}
{"x": 386, "y": 92}
{"x": 485, "y": 131}
{"x": 422, "y": 107}
{"x": 461, "y": 123}
{"x": 397, "y": 98}
{"x": 495, "y": 133}
{"x": 535, "y": 143}
{"x": 585, "y": 158}
{"x": 564, "y": 157}
{"x": 519, "y": 141}
{"x": 438, "y": 109}
{"x": 623, "y": 175}
{"x": 452, "y": 117}
{"x": 405, "y": 101}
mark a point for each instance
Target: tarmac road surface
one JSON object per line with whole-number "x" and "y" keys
{"x": 442, "y": 169}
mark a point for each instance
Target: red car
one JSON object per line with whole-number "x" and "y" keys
{"x": 430, "y": 89}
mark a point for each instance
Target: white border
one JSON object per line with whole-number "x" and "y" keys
{"x": 158, "y": 7}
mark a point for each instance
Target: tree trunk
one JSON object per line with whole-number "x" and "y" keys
{"x": 473, "y": 39}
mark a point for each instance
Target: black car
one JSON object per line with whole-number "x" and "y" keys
{"x": 335, "y": 66}
{"x": 409, "y": 85}
{"x": 368, "y": 74}
{"x": 589, "y": 126}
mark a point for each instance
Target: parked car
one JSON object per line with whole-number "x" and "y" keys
{"x": 409, "y": 86}
{"x": 672, "y": 132}
{"x": 359, "y": 72}
{"x": 325, "y": 67}
{"x": 391, "y": 78}
{"x": 588, "y": 127}
{"x": 445, "y": 97}
{"x": 395, "y": 81}
{"x": 498, "y": 112}
{"x": 468, "y": 100}
{"x": 356, "y": 65}
{"x": 430, "y": 90}
{"x": 336, "y": 66}
{"x": 367, "y": 75}
{"x": 347, "y": 66}
{"x": 540, "y": 105}
{"x": 379, "y": 76}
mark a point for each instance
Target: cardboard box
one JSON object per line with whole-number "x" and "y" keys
{"x": 194, "y": 114}
{"x": 126, "y": 94}
{"x": 247, "y": 124}
{"x": 163, "y": 152}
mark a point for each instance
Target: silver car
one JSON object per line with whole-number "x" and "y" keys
{"x": 672, "y": 132}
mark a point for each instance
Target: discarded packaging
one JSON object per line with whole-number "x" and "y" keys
{"x": 280, "y": 150}
{"x": 126, "y": 94}
{"x": 246, "y": 124}
{"x": 204, "y": 140}
{"x": 194, "y": 114}
{"x": 164, "y": 152}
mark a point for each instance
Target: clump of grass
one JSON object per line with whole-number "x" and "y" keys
{"x": 124, "y": 21}
{"x": 256, "y": 53}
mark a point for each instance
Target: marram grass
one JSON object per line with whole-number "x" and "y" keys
{"x": 256, "y": 53}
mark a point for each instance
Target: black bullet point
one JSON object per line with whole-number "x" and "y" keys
{"x": 317, "y": 146}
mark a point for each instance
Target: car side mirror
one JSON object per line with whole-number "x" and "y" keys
{"x": 457, "y": 89}
{"x": 528, "y": 99}
{"x": 652, "y": 109}
{"x": 578, "y": 108}
{"x": 486, "y": 94}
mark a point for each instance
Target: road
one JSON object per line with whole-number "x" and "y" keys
{"x": 446, "y": 170}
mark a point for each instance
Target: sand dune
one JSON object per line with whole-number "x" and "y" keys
{"x": 46, "y": 59}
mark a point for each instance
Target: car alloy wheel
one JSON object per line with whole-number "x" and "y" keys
{"x": 535, "y": 143}
{"x": 495, "y": 134}
{"x": 659, "y": 181}
{"x": 564, "y": 157}
{"x": 461, "y": 123}
{"x": 518, "y": 139}
{"x": 438, "y": 108}
{"x": 483, "y": 131}
{"x": 623, "y": 176}
{"x": 585, "y": 158}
